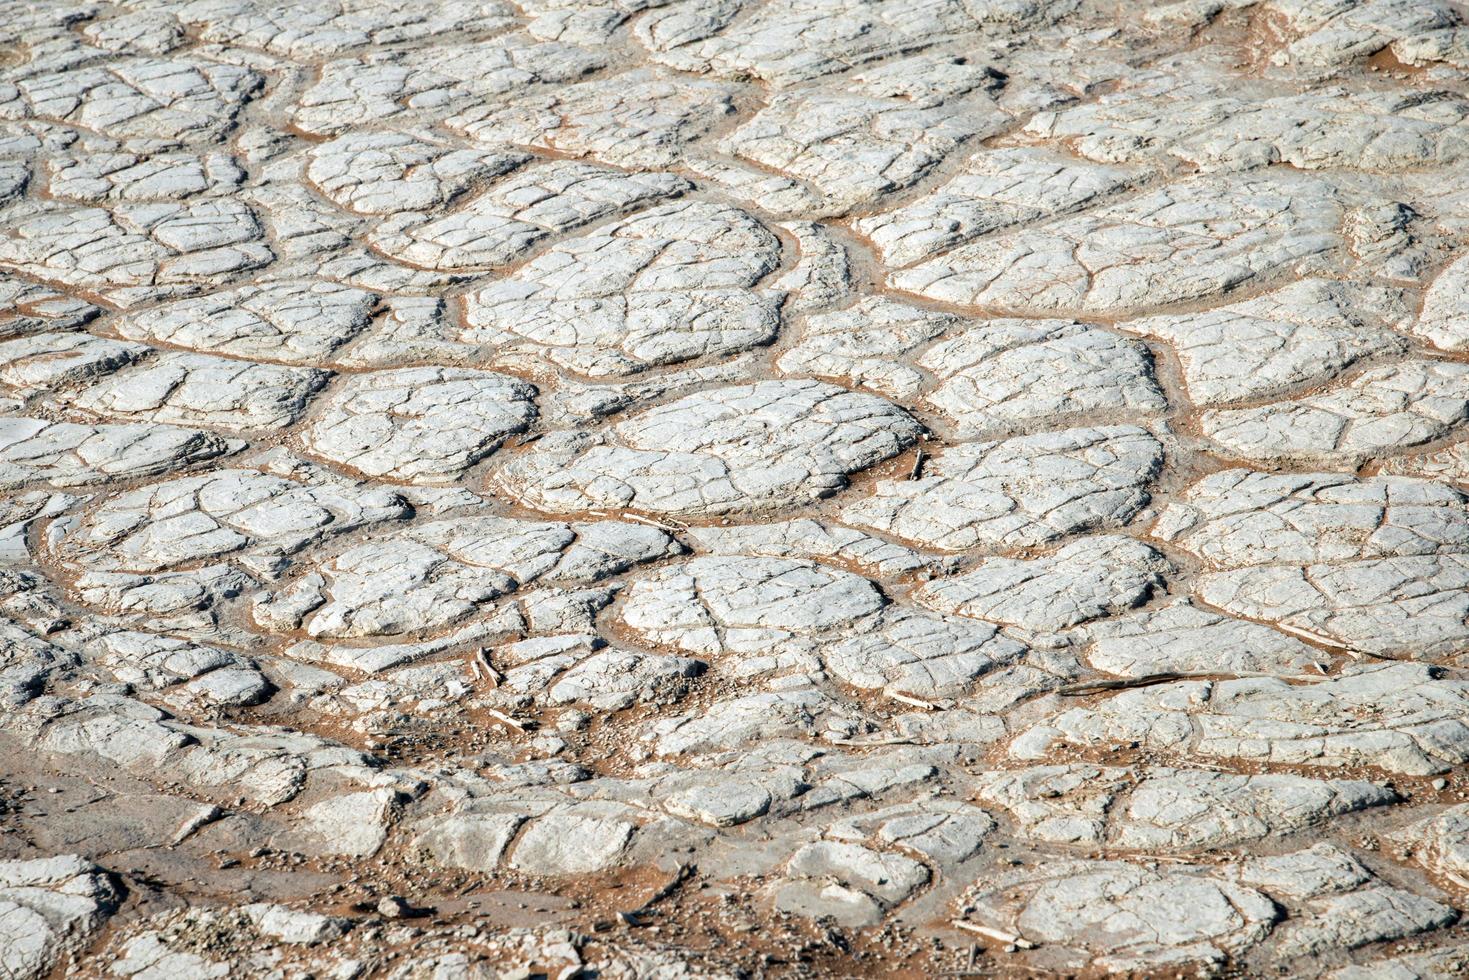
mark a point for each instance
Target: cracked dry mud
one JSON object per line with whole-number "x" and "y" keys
{"x": 649, "y": 489}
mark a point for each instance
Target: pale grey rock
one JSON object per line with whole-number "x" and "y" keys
{"x": 789, "y": 42}
{"x": 136, "y": 252}
{"x": 353, "y": 824}
{"x": 1191, "y": 240}
{"x": 1061, "y": 804}
{"x": 505, "y": 222}
{"x": 777, "y": 615}
{"x": 576, "y": 22}
{"x": 729, "y": 724}
{"x": 1345, "y": 905}
{"x": 806, "y": 538}
{"x": 149, "y": 956}
{"x": 1187, "y": 808}
{"x": 199, "y": 389}
{"x": 726, "y": 799}
{"x": 614, "y": 679}
{"x": 139, "y": 98}
{"x": 115, "y": 177}
{"x": 147, "y": 31}
{"x": 937, "y": 831}
{"x": 1382, "y": 410}
{"x": 210, "y": 675}
{"x": 20, "y": 512}
{"x": 854, "y": 146}
{"x": 1240, "y": 518}
{"x": 245, "y": 938}
{"x": 294, "y": 927}
{"x": 1215, "y": 122}
{"x": 434, "y": 575}
{"x": 777, "y": 194}
{"x": 1006, "y": 373}
{"x": 865, "y": 345}
{"x": 416, "y": 691}
{"x": 722, "y": 451}
{"x": 68, "y": 454}
{"x": 822, "y": 274}
{"x": 1448, "y": 45}
{"x": 710, "y": 605}
{"x": 423, "y": 425}
{"x": 910, "y": 653}
{"x": 1434, "y": 964}
{"x": 471, "y": 841}
{"x": 1090, "y": 579}
{"x": 1183, "y": 637}
{"x": 182, "y": 601}
{"x": 1018, "y": 492}
{"x": 289, "y": 322}
{"x": 1450, "y": 465}
{"x": 848, "y": 882}
{"x": 670, "y": 284}
{"x": 640, "y": 118}
{"x": 329, "y": 28}
{"x": 436, "y": 80}
{"x": 393, "y": 172}
{"x": 578, "y": 402}
{"x": 227, "y": 688}
{"x": 408, "y": 330}
{"x": 1374, "y": 564}
{"x": 1328, "y": 34}
{"x": 568, "y": 843}
{"x": 473, "y": 381}
{"x": 1302, "y": 333}
{"x": 316, "y": 239}
{"x": 31, "y": 308}
{"x": 1391, "y": 240}
{"x": 1400, "y": 718}
{"x": 50, "y": 907}
{"x": 1444, "y": 318}
{"x": 1440, "y": 843}
{"x": 996, "y": 189}
{"x": 228, "y": 513}
{"x": 265, "y": 768}
{"x": 52, "y": 361}
{"x": 1124, "y": 916}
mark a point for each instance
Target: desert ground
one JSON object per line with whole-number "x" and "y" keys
{"x": 658, "y": 489}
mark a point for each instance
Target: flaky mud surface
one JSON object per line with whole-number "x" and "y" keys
{"x": 734, "y": 488}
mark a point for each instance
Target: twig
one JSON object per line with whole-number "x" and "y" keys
{"x": 998, "y": 935}
{"x": 505, "y": 719}
{"x": 1121, "y": 684}
{"x": 1319, "y": 640}
{"x": 1148, "y": 680}
{"x": 495, "y": 676}
{"x": 917, "y": 465}
{"x": 658, "y": 524}
{"x": 915, "y": 702}
{"x": 871, "y": 741}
